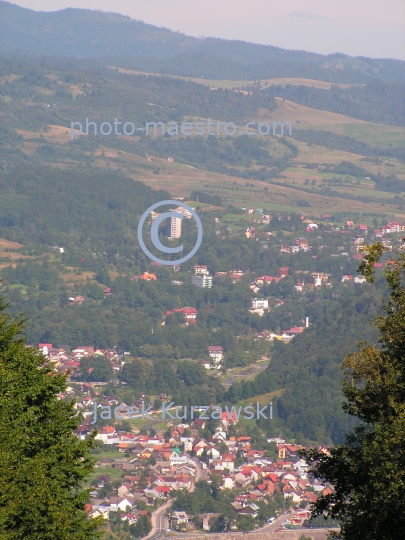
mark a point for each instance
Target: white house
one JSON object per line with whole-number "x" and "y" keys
{"x": 260, "y": 303}
{"x": 215, "y": 352}
{"x": 176, "y": 460}
{"x": 118, "y": 503}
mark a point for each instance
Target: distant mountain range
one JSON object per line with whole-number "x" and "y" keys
{"x": 113, "y": 38}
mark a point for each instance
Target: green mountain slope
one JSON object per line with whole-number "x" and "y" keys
{"x": 85, "y": 33}
{"x": 49, "y": 205}
{"x": 308, "y": 370}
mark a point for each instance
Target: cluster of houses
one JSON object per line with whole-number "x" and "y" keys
{"x": 65, "y": 359}
{"x": 266, "y": 280}
{"x": 143, "y": 480}
{"x": 300, "y": 244}
{"x": 155, "y": 466}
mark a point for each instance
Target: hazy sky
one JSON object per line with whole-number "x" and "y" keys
{"x": 374, "y": 28}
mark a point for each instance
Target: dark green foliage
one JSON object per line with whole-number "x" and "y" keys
{"x": 96, "y": 368}
{"x": 368, "y": 469}
{"x": 69, "y": 206}
{"x": 206, "y": 198}
{"x": 42, "y": 463}
{"x": 377, "y": 101}
{"x": 204, "y": 499}
{"x": 308, "y": 371}
{"x": 192, "y": 373}
{"x": 76, "y": 33}
{"x": 346, "y": 143}
{"x": 141, "y": 528}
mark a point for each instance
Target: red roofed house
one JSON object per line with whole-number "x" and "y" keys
{"x": 190, "y": 314}
{"x": 230, "y": 419}
{"x": 264, "y": 279}
{"x": 148, "y": 277}
{"x": 309, "y": 496}
{"x": 45, "y": 348}
{"x": 393, "y": 227}
{"x": 287, "y": 450}
{"x": 301, "y": 242}
{"x": 200, "y": 270}
{"x": 294, "y": 330}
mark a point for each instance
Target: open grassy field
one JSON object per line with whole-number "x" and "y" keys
{"x": 7, "y": 244}
{"x": 74, "y": 277}
{"x": 181, "y": 178}
{"x": 229, "y": 84}
{"x": 302, "y": 117}
{"x": 263, "y": 399}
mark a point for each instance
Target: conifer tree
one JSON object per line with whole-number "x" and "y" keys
{"x": 368, "y": 470}
{"x": 42, "y": 462}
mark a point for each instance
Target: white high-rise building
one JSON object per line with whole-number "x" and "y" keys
{"x": 173, "y": 227}
{"x": 202, "y": 281}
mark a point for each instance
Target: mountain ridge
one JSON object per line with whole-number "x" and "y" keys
{"x": 109, "y": 35}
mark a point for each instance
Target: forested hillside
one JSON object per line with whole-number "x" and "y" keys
{"x": 375, "y": 102}
{"x": 52, "y": 206}
{"x": 85, "y": 33}
{"x": 308, "y": 370}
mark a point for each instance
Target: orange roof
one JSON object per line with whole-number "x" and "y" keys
{"x": 146, "y": 275}
{"x": 226, "y": 417}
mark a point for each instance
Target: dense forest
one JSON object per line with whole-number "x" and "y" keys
{"x": 74, "y": 32}
{"x": 377, "y": 101}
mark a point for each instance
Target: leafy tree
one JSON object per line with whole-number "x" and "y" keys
{"x": 141, "y": 528}
{"x": 143, "y": 482}
{"x": 204, "y": 456}
{"x": 216, "y": 483}
{"x": 245, "y": 523}
{"x": 368, "y": 470}
{"x": 192, "y": 373}
{"x": 42, "y": 463}
{"x": 239, "y": 459}
{"x": 96, "y": 368}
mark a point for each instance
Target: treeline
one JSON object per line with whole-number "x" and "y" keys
{"x": 108, "y": 94}
{"x": 130, "y": 43}
{"x": 383, "y": 183}
{"x": 377, "y": 101}
{"x": 346, "y": 143}
{"x": 200, "y": 196}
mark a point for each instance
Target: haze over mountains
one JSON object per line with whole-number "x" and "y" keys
{"x": 85, "y": 34}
